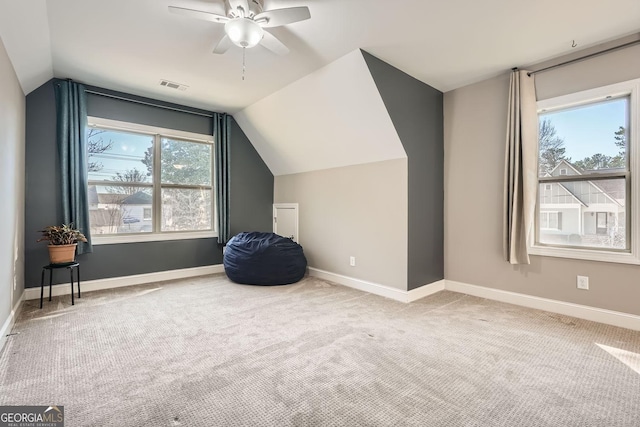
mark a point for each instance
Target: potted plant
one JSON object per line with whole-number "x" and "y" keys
{"x": 63, "y": 240}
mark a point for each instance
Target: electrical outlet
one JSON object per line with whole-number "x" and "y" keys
{"x": 352, "y": 261}
{"x": 583, "y": 282}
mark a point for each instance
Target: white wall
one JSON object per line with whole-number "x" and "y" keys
{"x": 12, "y": 137}
{"x": 333, "y": 117}
{"x": 356, "y": 211}
{"x": 475, "y": 128}
{"x": 30, "y": 56}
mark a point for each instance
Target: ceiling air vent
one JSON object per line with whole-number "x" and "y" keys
{"x": 173, "y": 85}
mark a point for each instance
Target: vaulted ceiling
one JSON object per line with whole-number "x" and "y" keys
{"x": 131, "y": 45}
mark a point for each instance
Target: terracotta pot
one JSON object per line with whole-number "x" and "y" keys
{"x": 59, "y": 254}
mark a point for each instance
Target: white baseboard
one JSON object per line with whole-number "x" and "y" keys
{"x": 117, "y": 282}
{"x": 377, "y": 289}
{"x": 362, "y": 285}
{"x": 609, "y": 317}
{"x": 594, "y": 314}
{"x": 426, "y": 290}
{"x": 8, "y": 324}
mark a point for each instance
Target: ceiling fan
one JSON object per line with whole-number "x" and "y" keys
{"x": 245, "y": 21}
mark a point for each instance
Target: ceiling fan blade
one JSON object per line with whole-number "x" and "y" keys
{"x": 278, "y": 17}
{"x": 198, "y": 14}
{"x": 223, "y": 45}
{"x": 244, "y": 4}
{"x": 273, "y": 44}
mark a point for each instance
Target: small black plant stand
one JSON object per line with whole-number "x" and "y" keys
{"x": 69, "y": 266}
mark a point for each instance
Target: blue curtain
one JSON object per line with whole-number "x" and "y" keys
{"x": 71, "y": 109}
{"x": 222, "y": 136}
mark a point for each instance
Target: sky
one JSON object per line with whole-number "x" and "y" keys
{"x": 127, "y": 152}
{"x": 588, "y": 130}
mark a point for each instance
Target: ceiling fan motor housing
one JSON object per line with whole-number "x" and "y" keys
{"x": 244, "y": 21}
{"x": 255, "y": 7}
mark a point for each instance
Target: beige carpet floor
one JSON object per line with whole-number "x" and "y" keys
{"x": 207, "y": 352}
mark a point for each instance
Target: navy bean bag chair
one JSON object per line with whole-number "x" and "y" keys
{"x": 255, "y": 258}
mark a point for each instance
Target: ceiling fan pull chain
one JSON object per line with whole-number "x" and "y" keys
{"x": 244, "y": 55}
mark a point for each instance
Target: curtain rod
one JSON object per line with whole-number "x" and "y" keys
{"x": 582, "y": 58}
{"x": 137, "y": 101}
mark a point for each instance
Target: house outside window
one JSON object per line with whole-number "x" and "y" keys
{"x": 148, "y": 183}
{"x": 588, "y": 175}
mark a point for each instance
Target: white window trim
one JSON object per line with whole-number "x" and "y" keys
{"x": 631, "y": 88}
{"x": 111, "y": 239}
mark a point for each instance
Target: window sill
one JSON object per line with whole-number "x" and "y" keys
{"x": 585, "y": 254}
{"x": 150, "y": 237}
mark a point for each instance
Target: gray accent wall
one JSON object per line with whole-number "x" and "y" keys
{"x": 117, "y": 109}
{"x": 42, "y": 200}
{"x": 416, "y": 110}
{"x": 251, "y": 190}
{"x": 251, "y": 187}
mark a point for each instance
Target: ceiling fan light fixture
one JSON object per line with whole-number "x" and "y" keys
{"x": 244, "y": 32}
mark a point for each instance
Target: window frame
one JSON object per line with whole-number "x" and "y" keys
{"x": 631, "y": 89}
{"x": 156, "y": 208}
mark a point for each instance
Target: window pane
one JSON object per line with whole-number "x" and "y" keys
{"x": 544, "y": 220}
{"x": 119, "y": 156}
{"x": 587, "y": 139}
{"x": 583, "y": 213}
{"x": 186, "y": 209}
{"x": 186, "y": 163}
{"x": 119, "y": 209}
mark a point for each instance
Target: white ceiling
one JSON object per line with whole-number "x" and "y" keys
{"x": 129, "y": 45}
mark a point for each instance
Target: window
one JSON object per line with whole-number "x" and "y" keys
{"x": 148, "y": 183}
{"x": 588, "y": 184}
{"x": 551, "y": 220}
{"x": 602, "y": 225}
